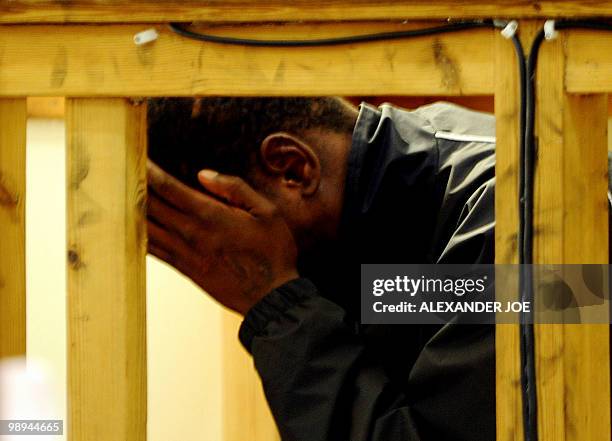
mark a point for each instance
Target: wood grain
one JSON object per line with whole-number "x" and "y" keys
{"x": 507, "y": 109}
{"x": 246, "y": 415}
{"x": 571, "y": 226}
{"x": 106, "y": 270}
{"x": 12, "y": 227}
{"x": 103, "y": 61}
{"x": 35, "y": 11}
{"x": 589, "y": 61}
{"x": 46, "y": 107}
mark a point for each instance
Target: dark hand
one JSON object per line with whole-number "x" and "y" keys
{"x": 234, "y": 244}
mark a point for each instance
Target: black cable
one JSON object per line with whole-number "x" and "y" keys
{"x": 182, "y": 30}
{"x": 530, "y": 149}
{"x": 521, "y": 61}
{"x": 526, "y": 191}
{"x": 527, "y": 410}
{"x": 526, "y": 334}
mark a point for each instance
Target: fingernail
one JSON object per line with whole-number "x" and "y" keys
{"x": 208, "y": 174}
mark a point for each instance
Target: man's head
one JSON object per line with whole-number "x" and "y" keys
{"x": 292, "y": 150}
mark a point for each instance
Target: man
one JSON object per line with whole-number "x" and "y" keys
{"x": 281, "y": 199}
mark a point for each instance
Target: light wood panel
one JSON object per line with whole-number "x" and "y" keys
{"x": 103, "y": 61}
{"x": 571, "y": 226}
{"x": 246, "y": 415}
{"x": 46, "y": 107}
{"x": 106, "y": 270}
{"x": 589, "y": 61}
{"x": 12, "y": 227}
{"x": 275, "y": 10}
{"x": 507, "y": 109}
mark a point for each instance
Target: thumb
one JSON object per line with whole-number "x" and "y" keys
{"x": 232, "y": 189}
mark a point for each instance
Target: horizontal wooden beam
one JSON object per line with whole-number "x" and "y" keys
{"x": 589, "y": 62}
{"x": 46, "y": 11}
{"x": 74, "y": 60}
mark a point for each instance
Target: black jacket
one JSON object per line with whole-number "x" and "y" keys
{"x": 420, "y": 189}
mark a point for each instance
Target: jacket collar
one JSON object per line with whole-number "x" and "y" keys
{"x": 391, "y": 192}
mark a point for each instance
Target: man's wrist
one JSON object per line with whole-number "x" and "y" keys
{"x": 272, "y": 306}
{"x": 278, "y": 281}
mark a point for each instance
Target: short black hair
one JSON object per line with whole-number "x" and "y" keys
{"x": 186, "y": 135}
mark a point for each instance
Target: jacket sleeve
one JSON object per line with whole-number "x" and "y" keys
{"x": 323, "y": 384}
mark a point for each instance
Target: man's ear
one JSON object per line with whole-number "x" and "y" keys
{"x": 292, "y": 160}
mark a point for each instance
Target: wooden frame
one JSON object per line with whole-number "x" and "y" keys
{"x": 106, "y": 278}
{"x": 12, "y": 227}
{"x": 81, "y": 61}
{"x": 507, "y": 107}
{"x": 117, "y": 11}
{"x": 571, "y": 226}
{"x": 74, "y": 60}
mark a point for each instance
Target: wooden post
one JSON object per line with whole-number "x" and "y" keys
{"x": 571, "y": 226}
{"x": 106, "y": 270}
{"x": 246, "y": 415}
{"x": 507, "y": 111}
{"x": 12, "y": 227}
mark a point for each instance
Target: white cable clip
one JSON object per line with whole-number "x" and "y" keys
{"x": 510, "y": 29}
{"x": 145, "y": 37}
{"x": 550, "y": 33}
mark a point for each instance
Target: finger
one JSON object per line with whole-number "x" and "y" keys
{"x": 179, "y": 195}
{"x": 174, "y": 220}
{"x": 234, "y": 190}
{"x": 174, "y": 252}
{"x": 160, "y": 253}
{"x": 167, "y": 257}
{"x": 169, "y": 247}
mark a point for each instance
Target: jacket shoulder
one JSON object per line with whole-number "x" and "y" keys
{"x": 449, "y": 117}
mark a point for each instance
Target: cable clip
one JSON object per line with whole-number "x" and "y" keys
{"x": 509, "y": 29}
{"x": 550, "y": 33}
{"x": 145, "y": 37}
